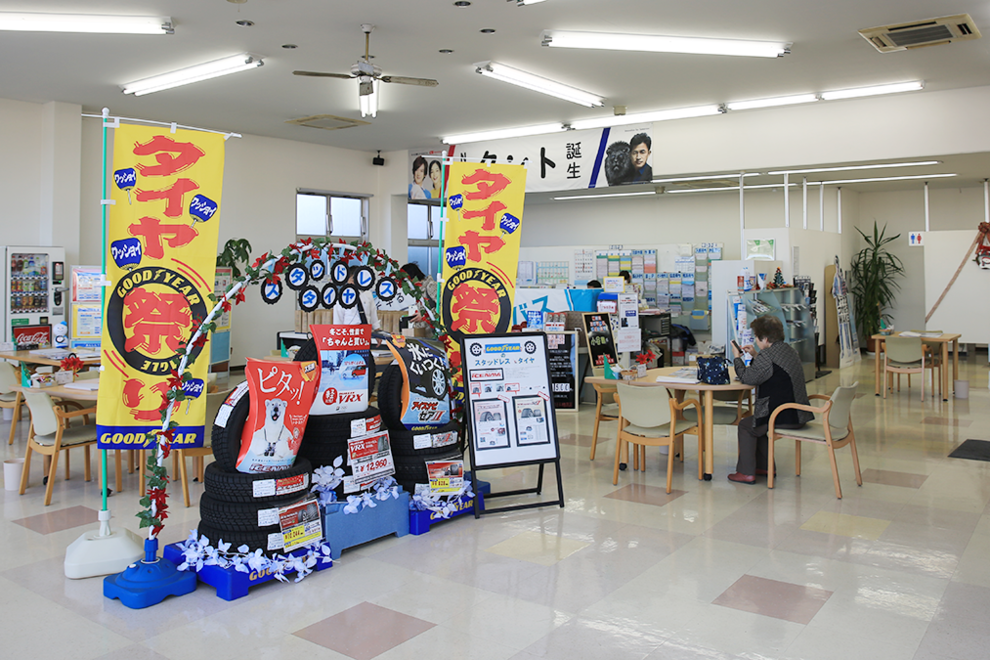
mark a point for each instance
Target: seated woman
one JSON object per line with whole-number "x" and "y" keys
{"x": 779, "y": 378}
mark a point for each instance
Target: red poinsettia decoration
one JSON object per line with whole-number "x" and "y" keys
{"x": 645, "y": 357}
{"x": 71, "y": 363}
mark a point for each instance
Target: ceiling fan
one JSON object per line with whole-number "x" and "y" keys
{"x": 368, "y": 74}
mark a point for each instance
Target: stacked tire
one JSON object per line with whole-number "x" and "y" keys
{"x": 241, "y": 508}
{"x": 326, "y": 436}
{"x": 410, "y": 462}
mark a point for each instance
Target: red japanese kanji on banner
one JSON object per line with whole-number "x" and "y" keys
{"x": 161, "y": 255}
{"x": 481, "y": 248}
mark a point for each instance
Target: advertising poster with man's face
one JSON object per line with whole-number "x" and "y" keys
{"x": 627, "y": 156}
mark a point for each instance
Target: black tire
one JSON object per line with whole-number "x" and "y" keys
{"x": 238, "y": 487}
{"x": 308, "y": 353}
{"x": 326, "y": 436}
{"x": 242, "y": 517}
{"x": 402, "y": 444}
{"x": 408, "y": 474}
{"x": 390, "y": 396}
{"x": 253, "y": 540}
{"x": 226, "y": 440}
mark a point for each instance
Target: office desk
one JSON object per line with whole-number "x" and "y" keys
{"x": 707, "y": 402}
{"x": 943, "y": 341}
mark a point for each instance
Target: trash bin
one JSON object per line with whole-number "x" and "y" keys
{"x": 961, "y": 388}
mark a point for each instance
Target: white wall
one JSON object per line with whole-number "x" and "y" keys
{"x": 20, "y": 171}
{"x": 903, "y": 212}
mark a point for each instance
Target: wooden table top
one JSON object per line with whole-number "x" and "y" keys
{"x": 30, "y": 358}
{"x": 651, "y": 381}
{"x": 941, "y": 339}
{"x": 61, "y": 392}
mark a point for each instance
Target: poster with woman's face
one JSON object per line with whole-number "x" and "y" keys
{"x": 426, "y": 174}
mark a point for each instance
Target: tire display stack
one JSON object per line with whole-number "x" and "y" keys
{"x": 410, "y": 463}
{"x": 241, "y": 508}
{"x": 326, "y": 436}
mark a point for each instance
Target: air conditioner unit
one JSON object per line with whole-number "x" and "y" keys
{"x": 930, "y": 32}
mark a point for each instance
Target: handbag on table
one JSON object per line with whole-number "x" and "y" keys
{"x": 713, "y": 370}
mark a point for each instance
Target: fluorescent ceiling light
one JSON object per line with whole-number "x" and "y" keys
{"x": 768, "y": 103}
{"x": 873, "y": 91}
{"x": 885, "y": 178}
{"x": 706, "y": 177}
{"x": 192, "y": 74}
{"x": 629, "y": 194}
{"x": 663, "y": 44}
{"x": 522, "y": 3}
{"x": 85, "y": 23}
{"x": 538, "y": 84}
{"x": 503, "y": 133}
{"x": 369, "y": 102}
{"x": 728, "y": 188}
{"x": 844, "y": 168}
{"x": 646, "y": 117}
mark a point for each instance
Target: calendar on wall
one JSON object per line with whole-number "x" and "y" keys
{"x": 552, "y": 273}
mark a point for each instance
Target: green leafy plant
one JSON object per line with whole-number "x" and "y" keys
{"x": 236, "y": 252}
{"x": 875, "y": 272}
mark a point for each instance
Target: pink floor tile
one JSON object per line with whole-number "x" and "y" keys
{"x": 364, "y": 631}
{"x": 893, "y": 478}
{"x": 580, "y": 440}
{"x": 644, "y": 494}
{"x": 780, "y": 600}
{"x": 50, "y": 522}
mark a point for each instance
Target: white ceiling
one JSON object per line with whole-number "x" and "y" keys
{"x": 827, "y": 53}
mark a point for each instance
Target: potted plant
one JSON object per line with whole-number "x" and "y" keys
{"x": 875, "y": 274}
{"x": 235, "y": 251}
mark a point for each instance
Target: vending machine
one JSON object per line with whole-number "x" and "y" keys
{"x": 34, "y": 295}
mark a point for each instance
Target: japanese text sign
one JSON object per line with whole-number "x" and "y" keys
{"x": 162, "y": 242}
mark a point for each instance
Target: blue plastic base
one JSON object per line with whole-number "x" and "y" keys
{"x": 229, "y": 583}
{"x": 149, "y": 581}
{"x": 346, "y": 530}
{"x": 420, "y": 521}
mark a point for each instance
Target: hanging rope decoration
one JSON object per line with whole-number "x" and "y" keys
{"x": 268, "y": 271}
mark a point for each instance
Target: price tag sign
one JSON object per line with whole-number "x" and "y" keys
{"x": 445, "y": 476}
{"x": 301, "y": 524}
{"x": 370, "y": 458}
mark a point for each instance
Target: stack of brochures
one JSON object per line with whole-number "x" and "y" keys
{"x": 685, "y": 375}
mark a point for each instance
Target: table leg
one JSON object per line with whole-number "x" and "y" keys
{"x": 876, "y": 369}
{"x": 955, "y": 363}
{"x": 709, "y": 431}
{"x": 944, "y": 385}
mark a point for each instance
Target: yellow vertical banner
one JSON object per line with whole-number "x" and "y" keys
{"x": 162, "y": 232}
{"x": 481, "y": 249}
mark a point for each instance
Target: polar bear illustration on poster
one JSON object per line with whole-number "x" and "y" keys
{"x": 272, "y": 439}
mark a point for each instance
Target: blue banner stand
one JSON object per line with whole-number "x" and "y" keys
{"x": 149, "y": 581}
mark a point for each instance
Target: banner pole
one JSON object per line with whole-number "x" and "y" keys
{"x": 103, "y": 264}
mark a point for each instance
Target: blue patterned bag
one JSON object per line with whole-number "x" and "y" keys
{"x": 713, "y": 370}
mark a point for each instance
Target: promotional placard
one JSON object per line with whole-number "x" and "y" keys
{"x": 370, "y": 458}
{"x": 301, "y": 524}
{"x": 344, "y": 351}
{"x": 281, "y": 396}
{"x": 515, "y": 424}
{"x": 425, "y": 391}
{"x": 601, "y": 345}
{"x": 445, "y": 476}
{"x": 562, "y": 353}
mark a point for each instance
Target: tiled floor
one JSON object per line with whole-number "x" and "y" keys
{"x": 898, "y": 569}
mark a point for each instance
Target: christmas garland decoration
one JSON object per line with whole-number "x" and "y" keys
{"x": 268, "y": 269}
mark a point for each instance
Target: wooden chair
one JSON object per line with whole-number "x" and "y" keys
{"x": 10, "y": 398}
{"x": 933, "y": 361}
{"x": 213, "y": 403}
{"x": 835, "y": 431}
{"x": 648, "y": 418}
{"x": 606, "y": 410}
{"x": 51, "y": 432}
{"x": 727, "y": 415}
{"x": 903, "y": 355}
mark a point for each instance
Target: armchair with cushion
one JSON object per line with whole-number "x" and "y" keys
{"x": 835, "y": 430}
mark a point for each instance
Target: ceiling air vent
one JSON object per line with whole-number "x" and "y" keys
{"x": 327, "y": 122}
{"x": 931, "y": 32}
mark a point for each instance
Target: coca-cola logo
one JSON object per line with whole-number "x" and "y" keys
{"x": 32, "y": 337}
